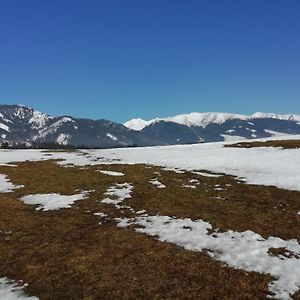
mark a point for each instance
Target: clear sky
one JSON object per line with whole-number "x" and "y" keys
{"x": 119, "y": 59}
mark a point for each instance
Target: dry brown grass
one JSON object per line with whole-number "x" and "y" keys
{"x": 285, "y": 144}
{"x": 66, "y": 254}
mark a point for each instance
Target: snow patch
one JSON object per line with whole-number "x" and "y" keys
{"x": 189, "y": 186}
{"x": 157, "y": 183}
{"x": 111, "y": 173}
{"x": 231, "y": 138}
{"x": 112, "y": 136}
{"x": 118, "y": 193}
{"x": 4, "y": 127}
{"x": 207, "y": 174}
{"x": 38, "y": 119}
{"x": 274, "y": 133}
{"x": 243, "y": 250}
{"x": 6, "y": 186}
{"x": 53, "y": 201}
{"x": 10, "y": 290}
{"x": 63, "y": 139}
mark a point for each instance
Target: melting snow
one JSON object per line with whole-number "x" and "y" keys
{"x": 265, "y": 165}
{"x": 10, "y": 290}
{"x": 189, "y": 186}
{"x": 243, "y": 250}
{"x": 100, "y": 214}
{"x": 118, "y": 193}
{"x": 6, "y": 186}
{"x": 196, "y": 181}
{"x": 111, "y": 173}
{"x": 207, "y": 174}
{"x": 53, "y": 201}
{"x": 157, "y": 183}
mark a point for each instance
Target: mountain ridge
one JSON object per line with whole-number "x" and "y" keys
{"x": 205, "y": 118}
{"x": 22, "y": 124}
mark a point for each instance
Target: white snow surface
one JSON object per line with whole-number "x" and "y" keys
{"x": 233, "y": 138}
{"x": 261, "y": 115}
{"x": 10, "y": 290}
{"x": 264, "y": 166}
{"x": 157, "y": 183}
{"x": 53, "y": 201}
{"x": 203, "y": 119}
{"x": 207, "y": 174}
{"x": 243, "y": 250}
{"x": 118, "y": 193}
{"x": 111, "y": 173}
{"x": 63, "y": 139}
{"x": 4, "y": 127}
{"x": 111, "y": 136}
{"x": 137, "y": 124}
{"x": 39, "y": 119}
{"x": 6, "y": 186}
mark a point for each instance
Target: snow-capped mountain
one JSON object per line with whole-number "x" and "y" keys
{"x": 21, "y": 124}
{"x": 204, "y": 119}
{"x": 210, "y": 127}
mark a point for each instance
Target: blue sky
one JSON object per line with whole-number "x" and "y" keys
{"x": 119, "y": 59}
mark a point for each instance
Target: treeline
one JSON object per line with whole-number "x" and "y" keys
{"x": 6, "y": 145}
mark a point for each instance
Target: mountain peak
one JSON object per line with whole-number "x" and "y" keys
{"x": 136, "y": 124}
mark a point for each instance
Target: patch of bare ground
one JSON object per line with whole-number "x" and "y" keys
{"x": 285, "y": 144}
{"x": 67, "y": 254}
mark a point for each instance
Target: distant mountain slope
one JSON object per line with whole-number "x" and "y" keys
{"x": 21, "y": 124}
{"x": 212, "y": 127}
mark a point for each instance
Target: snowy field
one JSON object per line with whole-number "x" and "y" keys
{"x": 265, "y": 166}
{"x": 245, "y": 250}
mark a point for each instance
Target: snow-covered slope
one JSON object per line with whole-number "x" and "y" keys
{"x": 137, "y": 124}
{"x": 204, "y": 119}
{"x": 261, "y": 115}
{"x": 192, "y": 119}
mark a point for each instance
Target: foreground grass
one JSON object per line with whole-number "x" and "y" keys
{"x": 67, "y": 254}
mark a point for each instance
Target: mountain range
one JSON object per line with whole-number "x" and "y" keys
{"x": 21, "y": 124}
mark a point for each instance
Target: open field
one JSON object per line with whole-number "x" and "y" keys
{"x": 145, "y": 232}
